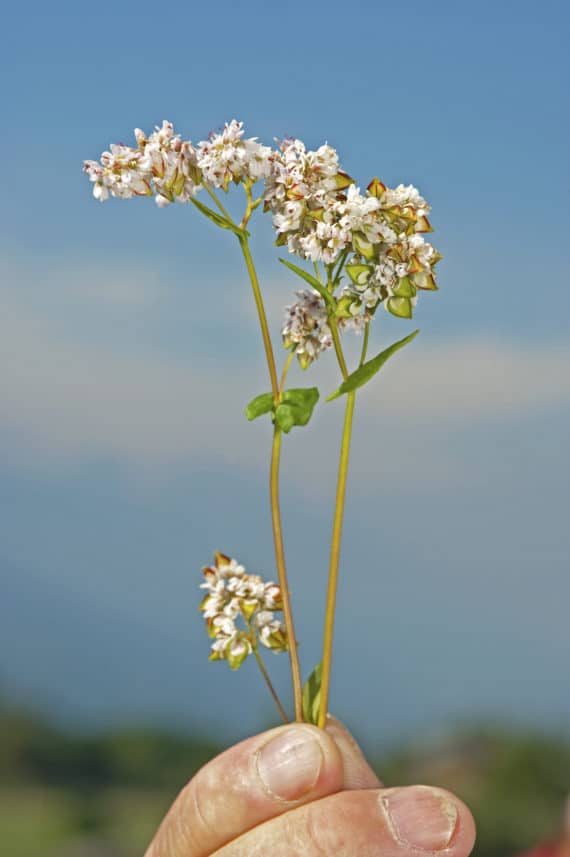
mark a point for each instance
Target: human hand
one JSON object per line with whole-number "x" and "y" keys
{"x": 298, "y": 791}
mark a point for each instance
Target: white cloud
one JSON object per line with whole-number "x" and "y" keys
{"x": 62, "y": 397}
{"x": 72, "y": 282}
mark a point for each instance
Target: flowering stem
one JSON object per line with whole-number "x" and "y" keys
{"x": 282, "y": 571}
{"x": 335, "y": 274}
{"x": 218, "y": 203}
{"x": 274, "y": 489}
{"x": 285, "y": 371}
{"x": 276, "y": 390}
{"x": 364, "y": 344}
{"x": 337, "y": 530}
{"x": 333, "y": 326}
{"x": 244, "y": 244}
{"x": 265, "y": 675}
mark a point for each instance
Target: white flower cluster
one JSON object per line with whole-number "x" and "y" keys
{"x": 302, "y": 191}
{"x": 232, "y": 594}
{"x": 391, "y": 260}
{"x": 317, "y": 211}
{"x": 171, "y": 169}
{"x": 306, "y": 328}
{"x": 225, "y": 157}
{"x": 162, "y": 165}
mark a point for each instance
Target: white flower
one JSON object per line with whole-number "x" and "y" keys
{"x": 225, "y": 157}
{"x": 405, "y": 195}
{"x": 306, "y": 327}
{"x": 118, "y": 174}
{"x": 172, "y": 164}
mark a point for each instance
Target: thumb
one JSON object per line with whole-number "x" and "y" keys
{"x": 357, "y": 772}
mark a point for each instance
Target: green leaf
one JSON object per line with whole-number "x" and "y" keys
{"x": 312, "y": 695}
{"x": 262, "y": 404}
{"x": 218, "y": 219}
{"x": 296, "y": 407}
{"x": 364, "y": 373}
{"x": 312, "y": 281}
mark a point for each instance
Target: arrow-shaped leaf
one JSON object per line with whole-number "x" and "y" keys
{"x": 296, "y": 407}
{"x": 312, "y": 281}
{"x": 364, "y": 373}
{"x": 262, "y": 404}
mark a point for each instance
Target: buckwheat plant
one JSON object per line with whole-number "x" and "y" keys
{"x": 366, "y": 250}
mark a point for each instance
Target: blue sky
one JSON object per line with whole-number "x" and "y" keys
{"x": 128, "y": 348}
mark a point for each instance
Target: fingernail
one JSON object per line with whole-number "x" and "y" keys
{"x": 290, "y": 764}
{"x": 420, "y": 817}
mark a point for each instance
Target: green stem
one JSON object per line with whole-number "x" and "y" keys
{"x": 333, "y": 325}
{"x": 218, "y": 203}
{"x": 274, "y": 489}
{"x": 282, "y": 572}
{"x": 341, "y": 261}
{"x": 251, "y": 205}
{"x": 244, "y": 244}
{"x": 337, "y": 531}
{"x": 269, "y": 683}
{"x": 285, "y": 371}
{"x": 335, "y": 556}
{"x": 364, "y": 344}
{"x": 275, "y": 453}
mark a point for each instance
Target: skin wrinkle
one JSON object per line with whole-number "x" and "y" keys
{"x": 197, "y": 807}
{"x": 312, "y": 831}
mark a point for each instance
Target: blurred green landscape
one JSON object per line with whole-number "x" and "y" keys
{"x": 103, "y": 794}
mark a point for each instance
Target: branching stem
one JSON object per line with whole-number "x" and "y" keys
{"x": 274, "y": 491}
{"x": 275, "y": 451}
{"x": 218, "y": 203}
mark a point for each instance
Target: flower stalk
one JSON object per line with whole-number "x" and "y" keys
{"x": 274, "y": 488}
{"x": 336, "y": 538}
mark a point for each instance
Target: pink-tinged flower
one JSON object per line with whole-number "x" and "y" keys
{"x": 306, "y": 328}
{"x": 118, "y": 174}
{"x": 162, "y": 165}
